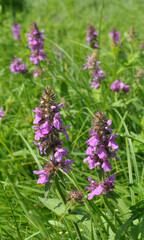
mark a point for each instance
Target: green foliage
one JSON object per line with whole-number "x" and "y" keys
{"x": 35, "y": 212}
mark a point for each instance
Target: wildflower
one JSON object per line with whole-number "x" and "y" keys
{"x": 94, "y": 66}
{"x": 43, "y": 176}
{"x": 38, "y": 72}
{"x": 101, "y": 143}
{"x": 60, "y": 152}
{"x": 16, "y": 31}
{"x": 17, "y": 66}
{"x": 2, "y": 113}
{"x": 76, "y": 197}
{"x": 47, "y": 136}
{"x": 35, "y": 42}
{"x": 98, "y": 188}
{"x": 117, "y": 86}
{"x": 115, "y": 37}
{"x": 101, "y": 150}
{"x": 92, "y": 35}
{"x": 126, "y": 88}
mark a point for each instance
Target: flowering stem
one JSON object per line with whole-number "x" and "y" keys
{"x": 59, "y": 191}
{"x": 62, "y": 197}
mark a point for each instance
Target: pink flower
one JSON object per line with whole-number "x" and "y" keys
{"x": 17, "y": 66}
{"x": 117, "y": 86}
{"x": 2, "y": 113}
{"x": 43, "y": 178}
{"x": 60, "y": 152}
{"x": 16, "y": 31}
{"x": 115, "y": 36}
{"x": 48, "y": 128}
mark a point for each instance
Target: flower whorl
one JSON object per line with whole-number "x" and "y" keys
{"x": 49, "y": 126}
{"x": 102, "y": 148}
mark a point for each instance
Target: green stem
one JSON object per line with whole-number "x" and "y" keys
{"x": 62, "y": 197}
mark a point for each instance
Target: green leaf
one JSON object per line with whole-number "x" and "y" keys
{"x": 125, "y": 226}
{"x": 120, "y": 204}
{"x": 139, "y": 190}
{"x": 54, "y": 204}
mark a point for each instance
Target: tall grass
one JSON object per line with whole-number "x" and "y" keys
{"x": 31, "y": 211}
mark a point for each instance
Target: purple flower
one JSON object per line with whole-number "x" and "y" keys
{"x": 126, "y": 88}
{"x": 38, "y": 72}
{"x": 60, "y": 152}
{"x": 47, "y": 118}
{"x": 109, "y": 183}
{"x": 43, "y": 178}
{"x": 112, "y": 154}
{"x": 95, "y": 188}
{"x": 100, "y": 143}
{"x": 16, "y": 31}
{"x": 100, "y": 153}
{"x": 35, "y": 42}
{"x": 56, "y": 121}
{"x": 2, "y": 113}
{"x": 94, "y": 66}
{"x": 117, "y": 86}
{"x": 93, "y": 141}
{"x": 17, "y": 66}
{"x": 65, "y": 132}
{"x": 115, "y": 36}
{"x": 106, "y": 165}
{"x": 90, "y": 149}
{"x": 66, "y": 164}
{"x": 94, "y": 84}
{"x": 93, "y": 161}
{"x": 48, "y": 128}
{"x": 38, "y": 116}
{"x": 98, "y": 188}
{"x": 92, "y": 35}
{"x": 111, "y": 142}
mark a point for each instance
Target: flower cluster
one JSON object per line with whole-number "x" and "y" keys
{"x": 35, "y": 42}
{"x": 94, "y": 66}
{"x": 117, "y": 86}
{"x": 2, "y": 113}
{"x": 38, "y": 72}
{"x": 16, "y": 31}
{"x": 102, "y": 148}
{"x": 92, "y": 35}
{"x": 76, "y": 197}
{"x": 115, "y": 37}
{"x": 98, "y": 188}
{"x": 47, "y": 135}
{"x": 17, "y": 66}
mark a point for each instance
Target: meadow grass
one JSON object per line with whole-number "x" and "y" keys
{"x": 31, "y": 211}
